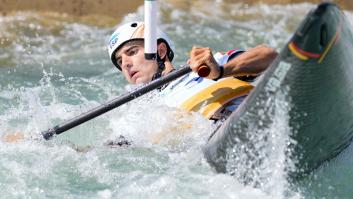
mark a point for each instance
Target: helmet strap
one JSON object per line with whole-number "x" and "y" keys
{"x": 161, "y": 67}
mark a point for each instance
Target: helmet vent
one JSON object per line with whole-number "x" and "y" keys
{"x": 133, "y": 25}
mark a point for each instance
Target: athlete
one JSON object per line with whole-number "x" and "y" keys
{"x": 126, "y": 50}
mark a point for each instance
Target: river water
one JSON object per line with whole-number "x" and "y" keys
{"x": 54, "y": 67}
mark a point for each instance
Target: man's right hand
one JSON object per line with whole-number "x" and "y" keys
{"x": 15, "y": 137}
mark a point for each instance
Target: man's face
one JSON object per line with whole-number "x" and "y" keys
{"x": 135, "y": 67}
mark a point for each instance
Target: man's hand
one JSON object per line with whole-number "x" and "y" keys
{"x": 252, "y": 62}
{"x": 15, "y": 137}
{"x": 200, "y": 56}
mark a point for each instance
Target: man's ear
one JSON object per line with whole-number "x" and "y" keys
{"x": 162, "y": 50}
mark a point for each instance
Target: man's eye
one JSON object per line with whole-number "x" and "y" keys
{"x": 132, "y": 52}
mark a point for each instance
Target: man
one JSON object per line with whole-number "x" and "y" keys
{"x": 126, "y": 50}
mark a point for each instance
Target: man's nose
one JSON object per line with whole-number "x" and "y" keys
{"x": 126, "y": 62}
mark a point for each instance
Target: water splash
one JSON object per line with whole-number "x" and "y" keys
{"x": 56, "y": 68}
{"x": 263, "y": 160}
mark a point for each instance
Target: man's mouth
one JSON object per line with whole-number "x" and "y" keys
{"x": 133, "y": 73}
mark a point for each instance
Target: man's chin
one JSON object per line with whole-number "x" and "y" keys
{"x": 141, "y": 80}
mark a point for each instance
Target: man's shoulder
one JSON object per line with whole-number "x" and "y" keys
{"x": 224, "y": 57}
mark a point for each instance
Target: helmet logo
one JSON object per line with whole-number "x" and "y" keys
{"x": 113, "y": 40}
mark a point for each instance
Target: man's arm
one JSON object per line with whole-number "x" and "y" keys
{"x": 252, "y": 62}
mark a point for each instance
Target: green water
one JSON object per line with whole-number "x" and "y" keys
{"x": 52, "y": 68}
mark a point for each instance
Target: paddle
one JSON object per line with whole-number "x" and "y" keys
{"x": 119, "y": 101}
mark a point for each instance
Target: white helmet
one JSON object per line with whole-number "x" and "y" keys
{"x": 134, "y": 31}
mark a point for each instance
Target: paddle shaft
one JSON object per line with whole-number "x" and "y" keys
{"x": 114, "y": 103}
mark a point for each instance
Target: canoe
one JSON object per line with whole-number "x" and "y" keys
{"x": 301, "y": 111}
